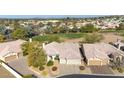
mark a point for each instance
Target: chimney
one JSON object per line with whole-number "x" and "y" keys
{"x": 43, "y": 45}
{"x": 30, "y": 40}
{"x": 118, "y": 42}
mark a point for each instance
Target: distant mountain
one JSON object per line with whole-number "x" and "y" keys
{"x": 47, "y": 16}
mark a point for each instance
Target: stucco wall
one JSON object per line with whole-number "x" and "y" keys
{"x": 70, "y": 61}
{"x": 96, "y": 62}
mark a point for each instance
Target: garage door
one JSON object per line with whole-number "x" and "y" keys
{"x": 63, "y": 61}
{"x": 95, "y": 62}
{"x": 10, "y": 58}
{"x": 74, "y": 61}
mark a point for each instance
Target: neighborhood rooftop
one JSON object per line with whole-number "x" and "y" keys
{"x": 64, "y": 50}
{"x": 9, "y": 48}
{"x": 98, "y": 50}
{"x": 13, "y": 46}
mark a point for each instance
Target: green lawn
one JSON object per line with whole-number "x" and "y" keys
{"x": 71, "y": 35}
{"x": 58, "y": 37}
{"x": 121, "y": 32}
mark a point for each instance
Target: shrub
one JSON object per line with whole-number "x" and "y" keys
{"x": 41, "y": 68}
{"x": 28, "y": 76}
{"x": 81, "y": 67}
{"x": 54, "y": 68}
{"x": 50, "y": 63}
{"x": 111, "y": 43}
{"x": 44, "y": 73}
{"x": 92, "y": 38}
{"x": 57, "y": 57}
{"x": 113, "y": 67}
{"x": 120, "y": 70}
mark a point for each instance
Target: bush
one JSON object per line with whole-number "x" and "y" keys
{"x": 113, "y": 67}
{"x": 111, "y": 43}
{"x": 81, "y": 67}
{"x": 50, "y": 63}
{"x": 44, "y": 73}
{"x": 120, "y": 70}
{"x": 54, "y": 68}
{"x": 57, "y": 57}
{"x": 41, "y": 68}
{"x": 92, "y": 38}
{"x": 28, "y": 76}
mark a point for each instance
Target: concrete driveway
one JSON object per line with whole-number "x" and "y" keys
{"x": 21, "y": 66}
{"x": 68, "y": 69}
{"x": 100, "y": 70}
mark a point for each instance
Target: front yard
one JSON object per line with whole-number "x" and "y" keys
{"x": 57, "y": 70}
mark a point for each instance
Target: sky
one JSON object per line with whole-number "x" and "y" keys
{"x": 48, "y": 16}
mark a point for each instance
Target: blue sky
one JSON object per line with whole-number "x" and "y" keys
{"x": 47, "y": 16}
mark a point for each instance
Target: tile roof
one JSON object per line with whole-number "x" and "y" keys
{"x": 10, "y": 47}
{"x": 98, "y": 50}
{"x": 64, "y": 50}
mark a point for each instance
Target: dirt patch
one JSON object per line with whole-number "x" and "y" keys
{"x": 107, "y": 37}
{"x": 111, "y": 37}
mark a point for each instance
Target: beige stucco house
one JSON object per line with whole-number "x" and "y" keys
{"x": 97, "y": 54}
{"x": 68, "y": 53}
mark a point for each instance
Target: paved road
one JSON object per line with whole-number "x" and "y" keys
{"x": 89, "y": 76}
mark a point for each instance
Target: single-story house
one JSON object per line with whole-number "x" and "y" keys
{"x": 68, "y": 53}
{"x": 10, "y": 50}
{"x": 97, "y": 54}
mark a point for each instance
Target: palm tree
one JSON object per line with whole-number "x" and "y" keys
{"x": 1, "y": 62}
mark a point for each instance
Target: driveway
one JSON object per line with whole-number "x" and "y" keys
{"x": 100, "y": 70}
{"x": 5, "y": 73}
{"x": 68, "y": 69}
{"x": 21, "y": 66}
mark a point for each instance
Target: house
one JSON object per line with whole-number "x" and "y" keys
{"x": 10, "y": 50}
{"x": 119, "y": 45}
{"x": 97, "y": 54}
{"x": 68, "y": 53}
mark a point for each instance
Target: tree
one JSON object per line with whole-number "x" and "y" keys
{"x": 88, "y": 28}
{"x": 121, "y": 27}
{"x": 36, "y": 57}
{"x": 27, "y": 46}
{"x": 35, "y": 53}
{"x": 2, "y": 38}
{"x": 19, "y": 34}
{"x": 92, "y": 38}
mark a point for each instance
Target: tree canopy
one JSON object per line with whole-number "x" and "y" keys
{"x": 88, "y": 28}
{"x": 36, "y": 55}
{"x": 2, "y": 38}
{"x": 19, "y": 34}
